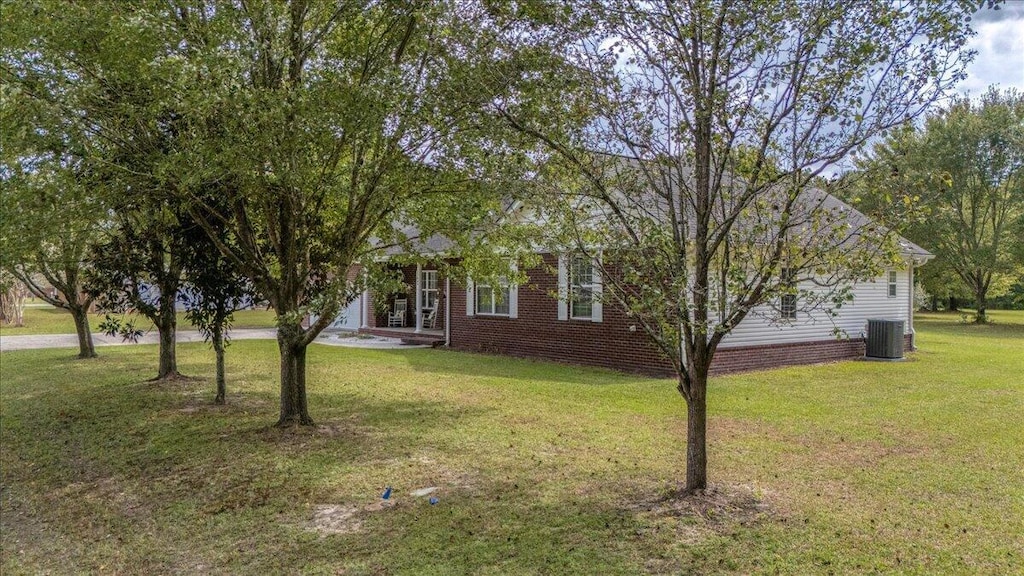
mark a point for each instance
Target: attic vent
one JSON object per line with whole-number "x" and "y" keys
{"x": 885, "y": 339}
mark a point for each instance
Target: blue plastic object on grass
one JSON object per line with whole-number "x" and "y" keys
{"x": 387, "y": 493}
{"x": 433, "y": 501}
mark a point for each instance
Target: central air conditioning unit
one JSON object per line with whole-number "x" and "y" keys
{"x": 885, "y": 339}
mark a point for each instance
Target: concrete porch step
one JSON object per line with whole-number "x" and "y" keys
{"x": 421, "y": 340}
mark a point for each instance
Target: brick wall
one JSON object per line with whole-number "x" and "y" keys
{"x": 775, "y": 355}
{"x": 537, "y": 332}
{"x": 613, "y": 343}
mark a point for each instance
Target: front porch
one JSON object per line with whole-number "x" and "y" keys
{"x": 417, "y": 313}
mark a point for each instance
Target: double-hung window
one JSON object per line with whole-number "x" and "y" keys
{"x": 498, "y": 299}
{"x": 493, "y": 300}
{"x": 428, "y": 289}
{"x": 892, "y": 283}
{"x": 787, "y": 302}
{"x": 581, "y": 288}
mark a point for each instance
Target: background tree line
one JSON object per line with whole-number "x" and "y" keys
{"x": 955, "y": 185}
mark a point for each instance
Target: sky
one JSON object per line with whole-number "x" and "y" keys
{"x": 1000, "y": 45}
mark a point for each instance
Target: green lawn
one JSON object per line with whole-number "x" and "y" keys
{"x": 49, "y": 320}
{"x": 851, "y": 468}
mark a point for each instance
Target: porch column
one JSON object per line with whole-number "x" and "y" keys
{"x": 419, "y": 288}
{"x": 364, "y": 310}
{"x": 447, "y": 311}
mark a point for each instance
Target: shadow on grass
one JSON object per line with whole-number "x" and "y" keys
{"x": 82, "y": 421}
{"x": 127, "y": 469}
{"x": 451, "y": 362}
{"x": 164, "y": 474}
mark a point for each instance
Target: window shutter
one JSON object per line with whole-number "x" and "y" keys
{"x": 513, "y": 296}
{"x": 563, "y": 288}
{"x": 469, "y": 297}
{"x": 597, "y": 307}
{"x": 513, "y": 301}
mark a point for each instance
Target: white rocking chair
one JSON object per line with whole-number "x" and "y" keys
{"x": 397, "y": 318}
{"x": 430, "y": 319}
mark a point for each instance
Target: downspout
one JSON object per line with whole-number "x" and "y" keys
{"x": 447, "y": 312}
{"x": 364, "y": 322}
{"x": 910, "y": 307}
{"x": 419, "y": 290}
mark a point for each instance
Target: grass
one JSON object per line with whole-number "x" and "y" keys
{"x": 45, "y": 319}
{"x": 857, "y": 467}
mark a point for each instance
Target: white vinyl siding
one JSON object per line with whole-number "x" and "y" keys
{"x": 870, "y": 300}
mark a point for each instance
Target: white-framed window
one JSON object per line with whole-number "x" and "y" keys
{"x": 492, "y": 301}
{"x": 788, "y": 301}
{"x": 581, "y": 288}
{"x": 891, "y": 284}
{"x": 428, "y": 289}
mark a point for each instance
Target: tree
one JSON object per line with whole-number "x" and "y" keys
{"x": 52, "y": 212}
{"x": 943, "y": 287}
{"x": 139, "y": 267}
{"x": 699, "y": 176}
{"x": 139, "y": 264}
{"x": 215, "y": 291}
{"x": 334, "y": 127}
{"x": 329, "y": 128}
{"x": 965, "y": 168}
{"x": 105, "y": 124}
{"x": 45, "y": 246}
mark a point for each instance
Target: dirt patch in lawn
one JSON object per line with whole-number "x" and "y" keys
{"x": 344, "y": 519}
{"x": 301, "y": 436}
{"x": 174, "y": 380}
{"x": 335, "y": 519}
{"x": 106, "y": 490}
{"x": 696, "y": 516}
{"x": 204, "y": 404}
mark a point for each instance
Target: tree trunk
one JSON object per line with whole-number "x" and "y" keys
{"x": 696, "y": 434}
{"x": 293, "y": 384}
{"x": 953, "y": 306}
{"x": 14, "y": 307}
{"x": 168, "y": 354}
{"x": 85, "y": 345}
{"x": 218, "y": 348}
{"x": 981, "y": 317}
{"x": 168, "y": 329}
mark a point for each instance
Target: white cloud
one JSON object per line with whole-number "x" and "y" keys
{"x": 1000, "y": 46}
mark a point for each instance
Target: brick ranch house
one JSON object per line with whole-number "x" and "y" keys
{"x": 528, "y": 321}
